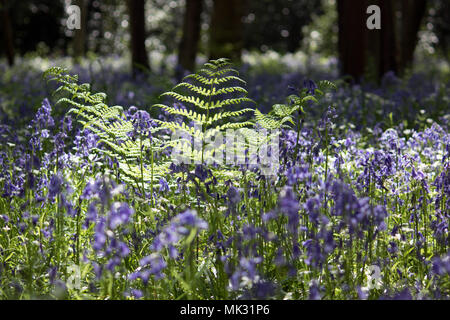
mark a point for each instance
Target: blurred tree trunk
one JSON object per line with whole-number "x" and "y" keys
{"x": 191, "y": 34}
{"x": 375, "y": 52}
{"x": 139, "y": 58}
{"x": 79, "y": 42}
{"x": 413, "y": 12}
{"x": 7, "y": 31}
{"x": 382, "y": 49}
{"x": 295, "y": 35}
{"x": 226, "y": 34}
{"x": 352, "y": 37}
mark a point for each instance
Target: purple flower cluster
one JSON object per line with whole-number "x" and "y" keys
{"x": 441, "y": 265}
{"x": 358, "y": 214}
{"x": 111, "y": 226}
{"x": 180, "y": 227}
{"x": 142, "y": 122}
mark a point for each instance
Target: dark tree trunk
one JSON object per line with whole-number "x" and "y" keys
{"x": 295, "y": 36}
{"x": 389, "y": 49}
{"x": 139, "y": 58}
{"x": 413, "y": 12}
{"x": 226, "y": 35}
{"x": 386, "y": 53}
{"x": 352, "y": 37}
{"x": 7, "y": 32}
{"x": 79, "y": 43}
{"x": 191, "y": 34}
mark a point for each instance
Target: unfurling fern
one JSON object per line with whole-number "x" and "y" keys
{"x": 205, "y": 95}
{"x": 281, "y": 114}
{"x": 113, "y": 129}
{"x": 284, "y": 113}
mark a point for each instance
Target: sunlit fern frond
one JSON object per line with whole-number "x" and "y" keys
{"x": 282, "y": 114}
{"x": 203, "y": 97}
{"x": 112, "y": 127}
{"x": 271, "y": 122}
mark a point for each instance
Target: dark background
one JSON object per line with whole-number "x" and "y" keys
{"x": 227, "y": 28}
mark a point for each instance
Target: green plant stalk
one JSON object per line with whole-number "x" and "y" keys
{"x": 152, "y": 173}
{"x": 206, "y": 122}
{"x": 298, "y": 135}
{"x": 425, "y": 214}
{"x": 190, "y": 266}
{"x": 77, "y": 261}
{"x": 326, "y": 169}
{"x": 141, "y": 158}
{"x": 59, "y": 232}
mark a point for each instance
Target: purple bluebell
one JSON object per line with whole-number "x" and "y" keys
{"x": 233, "y": 196}
{"x": 163, "y": 185}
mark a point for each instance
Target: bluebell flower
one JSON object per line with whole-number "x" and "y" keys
{"x": 91, "y": 214}
{"x": 261, "y": 290}
{"x": 119, "y": 214}
{"x": 189, "y": 218}
{"x": 154, "y": 264}
{"x": 279, "y": 258}
{"x": 100, "y": 235}
{"x": 34, "y": 220}
{"x": 441, "y": 265}
{"x": 246, "y": 268}
{"x": 55, "y": 186}
{"x": 123, "y": 250}
{"x": 5, "y": 218}
{"x": 289, "y": 206}
{"x": 163, "y": 185}
{"x": 53, "y": 271}
{"x": 91, "y": 189}
{"x": 142, "y": 123}
{"x": 312, "y": 207}
{"x": 310, "y": 86}
{"x": 314, "y": 291}
{"x": 405, "y": 294}
{"x": 43, "y": 118}
{"x": 137, "y": 293}
{"x": 233, "y": 195}
{"x": 112, "y": 263}
{"x": 98, "y": 270}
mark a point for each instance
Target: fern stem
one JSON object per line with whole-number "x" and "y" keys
{"x": 207, "y": 119}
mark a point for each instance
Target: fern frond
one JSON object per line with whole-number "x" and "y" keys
{"x": 270, "y": 122}
{"x": 205, "y": 103}
{"x": 207, "y": 92}
{"x": 112, "y": 128}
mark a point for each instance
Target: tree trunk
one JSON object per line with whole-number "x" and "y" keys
{"x": 7, "y": 32}
{"x": 79, "y": 42}
{"x": 191, "y": 34}
{"x": 386, "y": 54}
{"x": 413, "y": 12}
{"x": 352, "y": 37}
{"x": 139, "y": 58}
{"x": 295, "y": 36}
{"x": 226, "y": 36}
{"x": 389, "y": 49}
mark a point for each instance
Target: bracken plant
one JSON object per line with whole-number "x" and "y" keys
{"x": 94, "y": 206}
